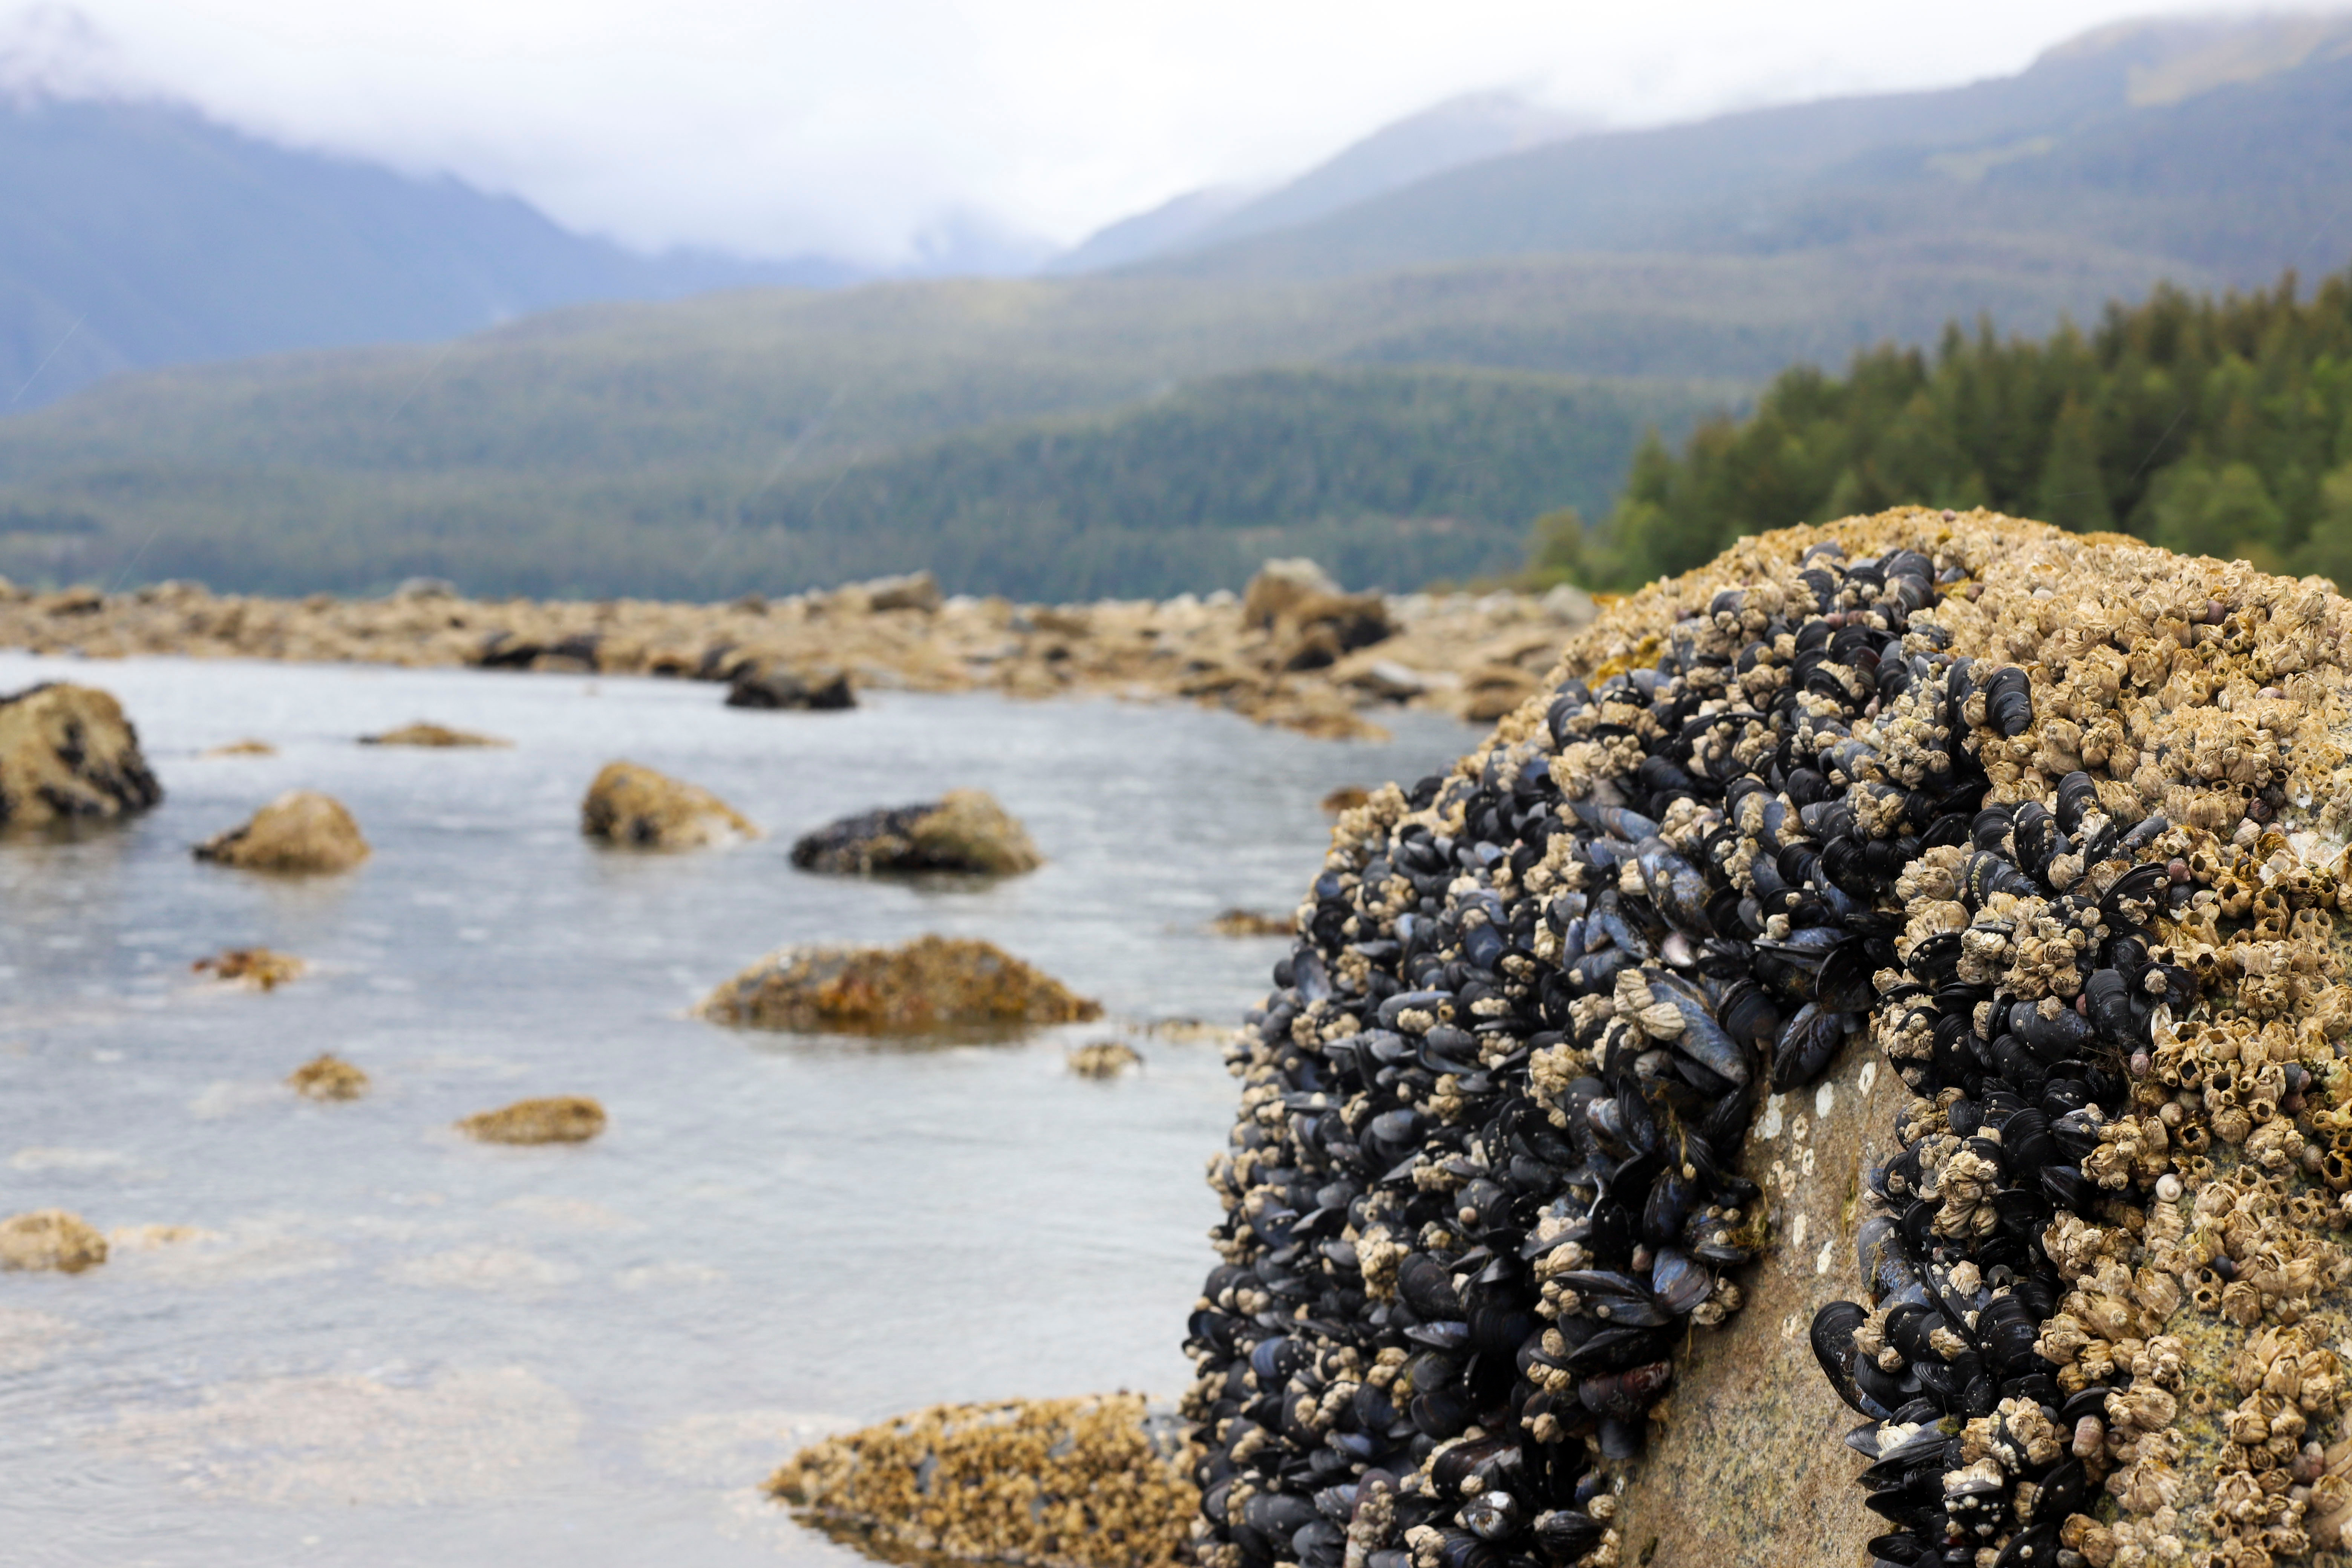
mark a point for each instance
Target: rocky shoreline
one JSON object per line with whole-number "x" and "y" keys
{"x": 1295, "y": 652}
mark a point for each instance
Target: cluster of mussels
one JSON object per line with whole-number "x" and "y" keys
{"x": 1482, "y": 1180}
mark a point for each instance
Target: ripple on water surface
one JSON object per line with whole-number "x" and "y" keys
{"x": 344, "y": 1333}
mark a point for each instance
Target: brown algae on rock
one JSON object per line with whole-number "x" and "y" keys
{"x": 1104, "y": 1058}
{"x": 299, "y": 833}
{"x": 50, "y": 1239}
{"x": 68, "y": 753}
{"x": 255, "y": 968}
{"x": 563, "y": 1119}
{"x": 1058, "y": 1483}
{"x": 932, "y": 983}
{"x": 637, "y": 808}
{"x": 328, "y": 1077}
{"x": 964, "y": 831}
{"x": 422, "y": 733}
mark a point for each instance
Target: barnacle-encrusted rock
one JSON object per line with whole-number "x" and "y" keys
{"x": 1061, "y": 1483}
{"x": 68, "y": 753}
{"x": 257, "y": 968}
{"x": 965, "y": 830}
{"x": 638, "y": 808}
{"x": 302, "y": 831}
{"x": 328, "y": 1077}
{"x": 932, "y": 983}
{"x": 563, "y": 1119}
{"x": 422, "y": 733}
{"x": 50, "y": 1239}
{"x": 1104, "y": 1058}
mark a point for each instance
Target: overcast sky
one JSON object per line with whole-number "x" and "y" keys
{"x": 851, "y": 127}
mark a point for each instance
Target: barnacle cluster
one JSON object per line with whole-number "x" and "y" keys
{"x": 2058, "y": 823}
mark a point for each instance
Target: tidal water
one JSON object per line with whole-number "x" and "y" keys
{"x": 385, "y": 1344}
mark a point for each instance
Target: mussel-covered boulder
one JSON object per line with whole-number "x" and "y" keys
{"x": 1934, "y": 910}
{"x": 932, "y": 983}
{"x": 559, "y": 1119}
{"x": 302, "y": 831}
{"x": 773, "y": 685}
{"x": 637, "y": 808}
{"x": 964, "y": 830}
{"x": 1057, "y": 1483}
{"x": 67, "y": 753}
{"x": 50, "y": 1239}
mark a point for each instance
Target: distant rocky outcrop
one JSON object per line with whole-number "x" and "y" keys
{"x": 67, "y": 753}
{"x": 302, "y": 831}
{"x": 1312, "y": 621}
{"x": 328, "y": 1077}
{"x": 638, "y": 808}
{"x": 564, "y": 1119}
{"x": 932, "y": 982}
{"x": 50, "y": 1239}
{"x": 423, "y": 734}
{"x": 964, "y": 830}
{"x": 776, "y": 686}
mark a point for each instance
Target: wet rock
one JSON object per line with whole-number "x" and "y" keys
{"x": 49, "y": 1239}
{"x": 257, "y": 968}
{"x": 565, "y": 1118}
{"x": 774, "y": 687}
{"x": 932, "y": 982}
{"x": 328, "y": 1077}
{"x": 300, "y": 832}
{"x": 963, "y": 831}
{"x": 245, "y": 748}
{"x": 1104, "y": 1058}
{"x": 423, "y": 734}
{"x": 637, "y": 808}
{"x": 67, "y": 753}
{"x": 1250, "y": 922}
{"x": 1062, "y": 1483}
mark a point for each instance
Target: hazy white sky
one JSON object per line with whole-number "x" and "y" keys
{"x": 853, "y": 126}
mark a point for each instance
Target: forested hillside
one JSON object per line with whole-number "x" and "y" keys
{"x": 2220, "y": 426}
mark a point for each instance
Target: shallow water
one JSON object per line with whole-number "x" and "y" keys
{"x": 388, "y": 1345}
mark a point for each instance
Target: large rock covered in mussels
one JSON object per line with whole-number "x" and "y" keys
{"x": 2020, "y": 806}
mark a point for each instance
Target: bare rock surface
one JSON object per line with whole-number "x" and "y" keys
{"x": 50, "y": 1239}
{"x": 932, "y": 983}
{"x": 67, "y": 753}
{"x": 964, "y": 830}
{"x": 300, "y": 832}
{"x": 637, "y": 808}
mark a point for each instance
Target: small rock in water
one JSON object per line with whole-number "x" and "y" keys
{"x": 1346, "y": 797}
{"x": 638, "y": 808}
{"x": 1104, "y": 1058}
{"x": 50, "y": 1239}
{"x": 1056, "y": 1483}
{"x": 565, "y": 1118}
{"x": 965, "y": 830}
{"x": 774, "y": 687}
{"x": 932, "y": 982}
{"x": 423, "y": 734}
{"x": 1250, "y": 922}
{"x": 244, "y": 748}
{"x": 301, "y": 831}
{"x": 67, "y": 751}
{"x": 256, "y": 967}
{"x": 328, "y": 1077}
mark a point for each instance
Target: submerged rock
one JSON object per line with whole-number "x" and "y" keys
{"x": 638, "y": 808}
{"x": 244, "y": 748}
{"x": 1250, "y": 922}
{"x": 302, "y": 831}
{"x": 566, "y": 1118}
{"x": 438, "y": 736}
{"x": 50, "y": 1239}
{"x": 256, "y": 967}
{"x": 1058, "y": 1483}
{"x": 965, "y": 830}
{"x": 932, "y": 982}
{"x": 66, "y": 753}
{"x": 774, "y": 687}
{"x": 1346, "y": 797}
{"x": 328, "y": 1077}
{"x": 1104, "y": 1058}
